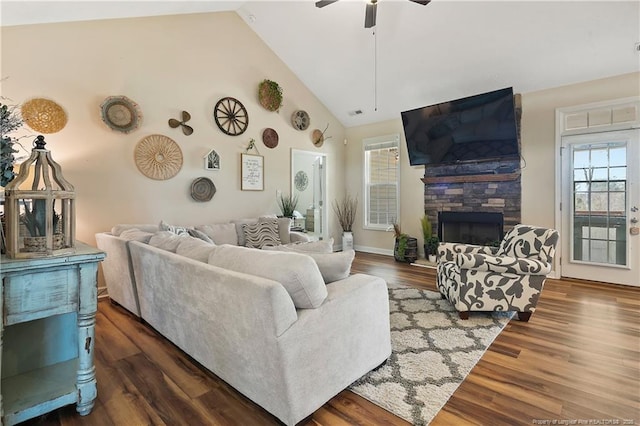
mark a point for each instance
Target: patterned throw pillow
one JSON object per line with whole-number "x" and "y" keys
{"x": 182, "y": 230}
{"x": 262, "y": 234}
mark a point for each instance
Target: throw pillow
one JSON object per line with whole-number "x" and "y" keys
{"x": 297, "y": 273}
{"x": 262, "y": 234}
{"x": 118, "y": 229}
{"x": 167, "y": 240}
{"x": 164, "y": 226}
{"x": 135, "y": 234}
{"x": 239, "y": 223}
{"x": 220, "y": 233}
{"x": 284, "y": 225}
{"x": 195, "y": 248}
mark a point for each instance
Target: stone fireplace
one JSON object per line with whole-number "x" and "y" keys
{"x": 473, "y": 196}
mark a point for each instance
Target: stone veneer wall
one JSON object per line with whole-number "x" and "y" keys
{"x": 467, "y": 188}
{"x": 492, "y": 186}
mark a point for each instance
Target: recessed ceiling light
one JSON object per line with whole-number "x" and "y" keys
{"x": 356, "y": 112}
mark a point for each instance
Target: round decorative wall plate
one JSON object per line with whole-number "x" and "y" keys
{"x": 301, "y": 180}
{"x": 158, "y": 157}
{"x": 43, "y": 115}
{"x": 121, "y": 114}
{"x": 231, "y": 116}
{"x": 300, "y": 120}
{"x": 270, "y": 138}
{"x": 202, "y": 189}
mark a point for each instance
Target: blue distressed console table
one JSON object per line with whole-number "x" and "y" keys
{"x": 48, "y": 308}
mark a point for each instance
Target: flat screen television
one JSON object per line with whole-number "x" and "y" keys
{"x": 472, "y": 129}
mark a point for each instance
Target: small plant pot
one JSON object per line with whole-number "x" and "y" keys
{"x": 433, "y": 258}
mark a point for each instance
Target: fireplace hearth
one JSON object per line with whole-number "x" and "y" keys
{"x": 481, "y": 228}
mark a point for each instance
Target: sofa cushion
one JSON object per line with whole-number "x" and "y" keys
{"x": 220, "y": 233}
{"x": 333, "y": 266}
{"x": 262, "y": 234}
{"x": 118, "y": 229}
{"x": 321, "y": 246}
{"x": 134, "y": 234}
{"x": 167, "y": 240}
{"x": 298, "y": 273}
{"x": 195, "y": 248}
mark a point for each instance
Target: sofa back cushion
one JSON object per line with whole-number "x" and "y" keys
{"x": 134, "y": 234}
{"x": 220, "y": 233}
{"x": 167, "y": 240}
{"x": 297, "y": 273}
{"x": 195, "y": 248}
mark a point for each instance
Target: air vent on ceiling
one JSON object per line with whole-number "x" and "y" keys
{"x": 356, "y": 112}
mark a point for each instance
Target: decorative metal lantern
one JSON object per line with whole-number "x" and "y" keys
{"x": 40, "y": 221}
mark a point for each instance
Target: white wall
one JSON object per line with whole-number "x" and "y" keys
{"x": 538, "y": 150}
{"x": 165, "y": 64}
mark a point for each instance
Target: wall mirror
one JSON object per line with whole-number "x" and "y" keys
{"x": 309, "y": 184}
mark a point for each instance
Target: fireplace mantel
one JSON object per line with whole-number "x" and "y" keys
{"x": 492, "y": 177}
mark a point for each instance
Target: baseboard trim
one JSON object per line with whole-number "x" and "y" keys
{"x": 374, "y": 250}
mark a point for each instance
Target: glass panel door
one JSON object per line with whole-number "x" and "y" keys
{"x": 600, "y": 201}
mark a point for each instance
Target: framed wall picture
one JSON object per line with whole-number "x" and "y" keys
{"x": 212, "y": 160}
{"x": 252, "y": 172}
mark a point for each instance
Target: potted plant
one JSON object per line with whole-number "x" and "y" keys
{"x": 34, "y": 219}
{"x": 270, "y": 95}
{"x": 345, "y": 209}
{"x": 287, "y": 204}
{"x": 405, "y": 248}
{"x": 432, "y": 245}
{"x": 10, "y": 121}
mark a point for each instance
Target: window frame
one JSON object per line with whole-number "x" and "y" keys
{"x": 368, "y": 144}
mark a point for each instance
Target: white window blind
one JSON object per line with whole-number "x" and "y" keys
{"x": 381, "y": 181}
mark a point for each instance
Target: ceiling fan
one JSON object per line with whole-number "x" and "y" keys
{"x": 370, "y": 12}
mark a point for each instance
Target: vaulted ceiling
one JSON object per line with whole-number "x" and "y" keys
{"x": 416, "y": 55}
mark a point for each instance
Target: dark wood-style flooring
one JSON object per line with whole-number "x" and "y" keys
{"x": 577, "y": 360}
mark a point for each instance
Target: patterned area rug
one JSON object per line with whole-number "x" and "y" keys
{"x": 433, "y": 350}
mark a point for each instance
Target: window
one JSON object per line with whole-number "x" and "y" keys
{"x": 381, "y": 181}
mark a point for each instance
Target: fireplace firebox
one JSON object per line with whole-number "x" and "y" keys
{"x": 481, "y": 228}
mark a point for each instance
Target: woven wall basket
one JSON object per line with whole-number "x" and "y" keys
{"x": 43, "y": 115}
{"x": 158, "y": 157}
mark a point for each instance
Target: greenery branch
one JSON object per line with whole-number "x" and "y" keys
{"x": 287, "y": 204}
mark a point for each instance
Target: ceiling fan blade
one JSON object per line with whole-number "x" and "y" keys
{"x": 173, "y": 123}
{"x": 324, "y": 3}
{"x": 370, "y": 15}
{"x": 422, "y": 2}
{"x": 185, "y": 116}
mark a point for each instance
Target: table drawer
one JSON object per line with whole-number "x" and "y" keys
{"x": 38, "y": 295}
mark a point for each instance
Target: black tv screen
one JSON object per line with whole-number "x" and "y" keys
{"x": 472, "y": 129}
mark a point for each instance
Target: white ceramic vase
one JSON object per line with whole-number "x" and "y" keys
{"x": 347, "y": 241}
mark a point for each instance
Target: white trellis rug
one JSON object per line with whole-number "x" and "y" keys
{"x": 433, "y": 350}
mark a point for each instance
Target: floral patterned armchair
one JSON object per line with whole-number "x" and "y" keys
{"x": 505, "y": 278}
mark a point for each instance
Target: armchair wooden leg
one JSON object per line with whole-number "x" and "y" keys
{"x": 524, "y": 316}
{"x": 464, "y": 315}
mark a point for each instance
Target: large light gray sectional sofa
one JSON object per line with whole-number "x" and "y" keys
{"x": 264, "y": 321}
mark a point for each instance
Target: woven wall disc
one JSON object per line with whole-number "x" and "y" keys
{"x": 43, "y": 115}
{"x": 202, "y": 189}
{"x": 158, "y": 157}
{"x": 121, "y": 114}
